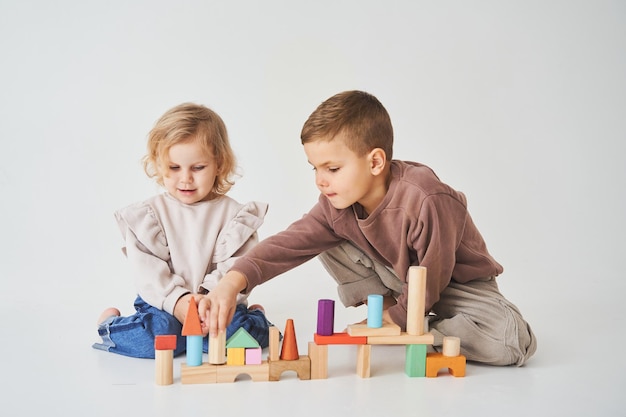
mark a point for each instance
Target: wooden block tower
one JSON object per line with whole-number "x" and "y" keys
{"x": 193, "y": 331}
{"x": 164, "y": 346}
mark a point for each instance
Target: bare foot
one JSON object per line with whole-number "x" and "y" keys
{"x": 111, "y": 311}
{"x": 256, "y": 307}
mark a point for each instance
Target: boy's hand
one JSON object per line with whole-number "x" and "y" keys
{"x": 216, "y": 309}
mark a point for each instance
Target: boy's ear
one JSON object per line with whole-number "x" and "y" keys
{"x": 378, "y": 160}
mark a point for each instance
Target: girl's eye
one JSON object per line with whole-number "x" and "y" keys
{"x": 174, "y": 168}
{"x": 333, "y": 169}
{"x": 198, "y": 168}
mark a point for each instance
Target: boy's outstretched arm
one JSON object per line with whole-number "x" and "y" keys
{"x": 216, "y": 308}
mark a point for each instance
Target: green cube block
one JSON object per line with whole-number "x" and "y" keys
{"x": 415, "y": 365}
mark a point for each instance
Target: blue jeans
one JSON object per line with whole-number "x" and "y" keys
{"x": 134, "y": 335}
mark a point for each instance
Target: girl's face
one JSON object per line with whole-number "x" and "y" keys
{"x": 189, "y": 174}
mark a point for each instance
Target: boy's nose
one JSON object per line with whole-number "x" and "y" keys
{"x": 320, "y": 181}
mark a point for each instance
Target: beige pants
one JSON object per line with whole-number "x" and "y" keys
{"x": 491, "y": 328}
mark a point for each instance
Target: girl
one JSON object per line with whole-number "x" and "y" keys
{"x": 180, "y": 243}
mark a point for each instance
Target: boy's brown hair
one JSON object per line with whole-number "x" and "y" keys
{"x": 191, "y": 122}
{"x": 359, "y": 116}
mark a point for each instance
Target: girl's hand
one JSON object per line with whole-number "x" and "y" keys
{"x": 216, "y": 309}
{"x": 182, "y": 306}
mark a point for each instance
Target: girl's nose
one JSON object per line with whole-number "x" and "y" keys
{"x": 186, "y": 176}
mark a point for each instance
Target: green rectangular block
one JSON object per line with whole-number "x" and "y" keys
{"x": 415, "y": 365}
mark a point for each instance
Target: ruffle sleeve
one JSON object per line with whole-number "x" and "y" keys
{"x": 141, "y": 221}
{"x": 239, "y": 230}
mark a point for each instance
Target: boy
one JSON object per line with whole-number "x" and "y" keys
{"x": 375, "y": 217}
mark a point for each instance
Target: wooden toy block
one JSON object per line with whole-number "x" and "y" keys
{"x": 302, "y": 367}
{"x": 235, "y": 356}
{"x": 416, "y": 302}
{"x": 451, "y": 346}
{"x": 403, "y": 339}
{"x": 228, "y": 373}
{"x": 194, "y": 350}
{"x": 254, "y": 356}
{"x": 203, "y": 374}
{"x": 318, "y": 354}
{"x": 191, "y": 326}
{"x": 325, "y": 317}
{"x": 165, "y": 342}
{"x": 436, "y": 361}
{"x": 274, "y": 344}
{"x": 415, "y": 362}
{"x": 242, "y": 339}
{"x": 289, "y": 351}
{"x": 374, "y": 310}
{"x": 339, "y": 339}
{"x": 387, "y": 329}
{"x": 363, "y": 356}
{"x": 217, "y": 349}
{"x": 164, "y": 366}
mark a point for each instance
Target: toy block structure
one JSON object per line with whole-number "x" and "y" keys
{"x": 241, "y": 353}
{"x": 193, "y": 331}
{"x": 450, "y": 358}
{"x": 237, "y": 347}
{"x": 290, "y": 359}
{"x": 375, "y": 332}
{"x": 164, "y": 346}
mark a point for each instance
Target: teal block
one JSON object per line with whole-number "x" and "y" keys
{"x": 194, "y": 350}
{"x": 415, "y": 365}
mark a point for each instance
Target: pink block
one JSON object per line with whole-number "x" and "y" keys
{"x": 253, "y": 356}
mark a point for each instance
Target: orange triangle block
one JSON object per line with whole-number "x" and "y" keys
{"x": 289, "y": 352}
{"x": 191, "y": 326}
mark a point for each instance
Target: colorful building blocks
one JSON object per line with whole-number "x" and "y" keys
{"x": 241, "y": 354}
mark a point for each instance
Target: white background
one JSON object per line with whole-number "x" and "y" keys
{"x": 519, "y": 104}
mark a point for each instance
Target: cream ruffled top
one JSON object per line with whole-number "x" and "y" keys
{"x": 175, "y": 248}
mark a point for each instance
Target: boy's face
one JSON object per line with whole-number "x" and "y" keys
{"x": 342, "y": 176}
{"x": 189, "y": 174}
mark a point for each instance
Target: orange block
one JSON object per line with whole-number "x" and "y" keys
{"x": 436, "y": 361}
{"x": 191, "y": 326}
{"x": 289, "y": 351}
{"x": 165, "y": 342}
{"x": 339, "y": 339}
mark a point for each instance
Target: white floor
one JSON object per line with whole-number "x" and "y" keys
{"x": 48, "y": 366}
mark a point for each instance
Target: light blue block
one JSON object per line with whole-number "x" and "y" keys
{"x": 194, "y": 350}
{"x": 375, "y": 311}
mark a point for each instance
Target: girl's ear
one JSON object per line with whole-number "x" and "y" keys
{"x": 378, "y": 160}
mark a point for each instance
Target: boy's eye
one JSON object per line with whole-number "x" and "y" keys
{"x": 333, "y": 169}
